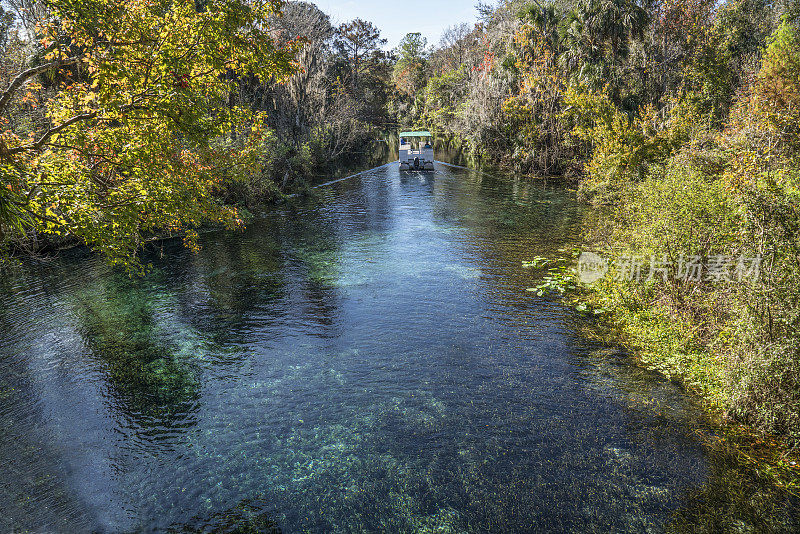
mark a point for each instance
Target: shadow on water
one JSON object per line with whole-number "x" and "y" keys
{"x": 120, "y": 327}
{"x": 34, "y": 485}
{"x": 367, "y": 359}
{"x": 734, "y": 500}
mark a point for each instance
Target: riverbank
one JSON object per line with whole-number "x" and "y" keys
{"x": 250, "y": 198}
{"x": 660, "y": 342}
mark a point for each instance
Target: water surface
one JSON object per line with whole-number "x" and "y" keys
{"x": 364, "y": 360}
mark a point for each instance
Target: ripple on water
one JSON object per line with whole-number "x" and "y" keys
{"x": 367, "y": 359}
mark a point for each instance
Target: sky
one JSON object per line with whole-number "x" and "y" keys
{"x": 396, "y": 18}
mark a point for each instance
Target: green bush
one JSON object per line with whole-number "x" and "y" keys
{"x": 624, "y": 148}
{"x": 766, "y": 372}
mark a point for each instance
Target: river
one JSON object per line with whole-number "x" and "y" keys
{"x": 367, "y": 359}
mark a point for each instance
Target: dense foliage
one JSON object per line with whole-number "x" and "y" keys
{"x": 134, "y": 131}
{"x": 728, "y": 190}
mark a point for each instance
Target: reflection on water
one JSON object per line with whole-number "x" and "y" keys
{"x": 364, "y": 360}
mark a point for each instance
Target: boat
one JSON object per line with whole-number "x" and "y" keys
{"x": 416, "y": 151}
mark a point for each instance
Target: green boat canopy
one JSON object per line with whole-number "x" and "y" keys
{"x": 415, "y": 134}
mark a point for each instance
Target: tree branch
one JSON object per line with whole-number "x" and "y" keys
{"x": 51, "y": 132}
{"x": 24, "y": 76}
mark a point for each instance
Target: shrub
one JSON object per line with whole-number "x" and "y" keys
{"x": 624, "y": 148}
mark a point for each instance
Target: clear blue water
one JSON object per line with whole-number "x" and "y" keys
{"x": 364, "y": 360}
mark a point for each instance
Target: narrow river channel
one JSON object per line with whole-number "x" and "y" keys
{"x": 364, "y": 360}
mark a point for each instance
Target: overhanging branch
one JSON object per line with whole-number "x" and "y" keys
{"x": 51, "y": 132}
{"x": 25, "y": 75}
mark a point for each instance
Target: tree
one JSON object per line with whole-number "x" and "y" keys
{"x": 410, "y": 70}
{"x": 773, "y": 105}
{"x": 532, "y": 117}
{"x": 598, "y": 34}
{"x": 6, "y": 23}
{"x": 356, "y": 40}
{"x": 140, "y": 132}
{"x": 294, "y": 107}
{"x": 455, "y": 46}
{"x": 413, "y": 47}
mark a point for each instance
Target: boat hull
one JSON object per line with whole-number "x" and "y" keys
{"x": 417, "y": 166}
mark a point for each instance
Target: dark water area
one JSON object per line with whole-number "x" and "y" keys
{"x": 381, "y": 151}
{"x": 364, "y": 360}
